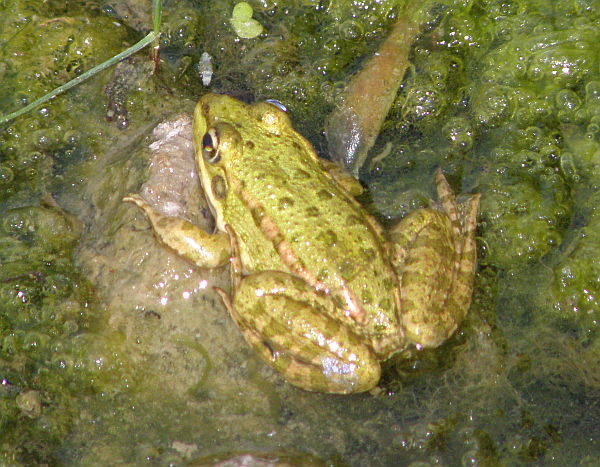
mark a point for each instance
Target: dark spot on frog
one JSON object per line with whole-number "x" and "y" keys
{"x": 218, "y": 187}
{"x": 367, "y": 297}
{"x": 353, "y": 219}
{"x": 312, "y": 211}
{"x": 296, "y": 146}
{"x": 367, "y": 253}
{"x": 249, "y": 144}
{"x": 205, "y": 109}
{"x": 348, "y": 270}
{"x": 257, "y": 214}
{"x": 151, "y": 314}
{"x": 324, "y": 275}
{"x": 286, "y": 202}
{"x": 385, "y": 304}
{"x": 328, "y": 237}
{"x": 302, "y": 174}
{"x": 324, "y": 195}
{"x": 337, "y": 300}
{"x": 277, "y": 240}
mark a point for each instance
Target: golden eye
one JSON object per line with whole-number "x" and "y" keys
{"x": 210, "y": 147}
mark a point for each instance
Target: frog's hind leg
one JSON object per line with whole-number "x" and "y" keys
{"x": 292, "y": 329}
{"x": 434, "y": 258}
{"x": 463, "y": 217}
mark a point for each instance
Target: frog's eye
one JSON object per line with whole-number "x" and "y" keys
{"x": 210, "y": 147}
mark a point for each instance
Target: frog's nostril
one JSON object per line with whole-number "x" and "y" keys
{"x": 270, "y": 348}
{"x": 210, "y": 140}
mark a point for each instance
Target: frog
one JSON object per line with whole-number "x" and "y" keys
{"x": 319, "y": 289}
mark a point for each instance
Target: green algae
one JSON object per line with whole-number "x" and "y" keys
{"x": 45, "y": 302}
{"x": 51, "y": 350}
{"x": 488, "y": 100}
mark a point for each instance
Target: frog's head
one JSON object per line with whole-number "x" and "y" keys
{"x": 229, "y": 136}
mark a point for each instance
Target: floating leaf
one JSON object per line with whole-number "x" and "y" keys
{"x": 242, "y": 22}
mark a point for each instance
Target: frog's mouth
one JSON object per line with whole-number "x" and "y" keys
{"x": 213, "y": 211}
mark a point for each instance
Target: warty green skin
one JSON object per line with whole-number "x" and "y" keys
{"x": 318, "y": 290}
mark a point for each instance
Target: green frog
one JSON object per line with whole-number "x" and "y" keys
{"x": 319, "y": 289}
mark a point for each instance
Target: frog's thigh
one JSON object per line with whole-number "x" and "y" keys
{"x": 188, "y": 240}
{"x": 291, "y": 327}
{"x": 426, "y": 263}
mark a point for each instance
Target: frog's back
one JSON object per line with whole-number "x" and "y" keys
{"x": 322, "y": 229}
{"x": 288, "y": 214}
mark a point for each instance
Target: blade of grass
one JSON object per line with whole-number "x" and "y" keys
{"x": 156, "y": 14}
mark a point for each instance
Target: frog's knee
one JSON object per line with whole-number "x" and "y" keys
{"x": 330, "y": 375}
{"x": 431, "y": 328}
{"x": 347, "y": 377}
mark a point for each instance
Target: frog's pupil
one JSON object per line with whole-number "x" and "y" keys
{"x": 210, "y": 146}
{"x": 207, "y": 142}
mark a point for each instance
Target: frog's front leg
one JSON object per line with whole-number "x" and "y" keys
{"x": 290, "y": 325}
{"x": 435, "y": 256}
{"x": 188, "y": 240}
{"x": 343, "y": 177}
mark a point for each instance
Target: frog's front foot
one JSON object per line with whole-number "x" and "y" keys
{"x": 186, "y": 239}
